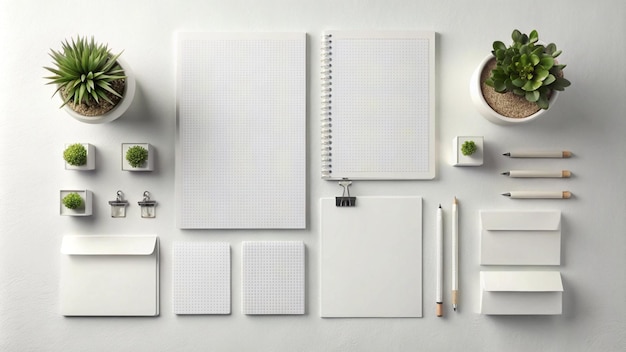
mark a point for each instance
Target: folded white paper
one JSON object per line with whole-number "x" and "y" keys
{"x": 110, "y": 276}
{"x": 520, "y": 237}
{"x": 520, "y": 292}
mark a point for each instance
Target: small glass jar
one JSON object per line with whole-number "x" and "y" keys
{"x": 147, "y": 206}
{"x": 118, "y": 206}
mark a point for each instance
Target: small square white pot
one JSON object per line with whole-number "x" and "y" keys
{"x": 91, "y": 158}
{"x": 148, "y": 164}
{"x": 475, "y": 159}
{"x": 85, "y": 210}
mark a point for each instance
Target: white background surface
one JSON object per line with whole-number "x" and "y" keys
{"x": 588, "y": 119}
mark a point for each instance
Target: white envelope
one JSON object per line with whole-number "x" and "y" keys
{"x": 520, "y": 292}
{"x": 520, "y": 237}
{"x": 110, "y": 276}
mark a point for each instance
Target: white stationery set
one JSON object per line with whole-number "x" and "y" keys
{"x": 241, "y": 164}
{"x": 109, "y": 275}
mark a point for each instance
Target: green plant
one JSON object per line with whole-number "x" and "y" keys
{"x": 468, "y": 148}
{"x": 136, "y": 155}
{"x": 75, "y": 154}
{"x": 73, "y": 201}
{"x": 84, "y": 72}
{"x": 527, "y": 68}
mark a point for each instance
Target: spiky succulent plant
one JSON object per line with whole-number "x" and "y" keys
{"x": 527, "y": 68}
{"x": 84, "y": 71}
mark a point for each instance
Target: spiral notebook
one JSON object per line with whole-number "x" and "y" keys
{"x": 378, "y": 105}
{"x": 241, "y": 130}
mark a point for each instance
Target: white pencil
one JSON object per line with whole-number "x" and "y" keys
{"x": 538, "y": 173}
{"x": 455, "y": 254}
{"x": 539, "y": 154}
{"x": 439, "y": 243}
{"x": 539, "y": 194}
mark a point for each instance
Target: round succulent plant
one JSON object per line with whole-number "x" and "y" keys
{"x": 136, "y": 155}
{"x": 527, "y": 68}
{"x": 73, "y": 201}
{"x": 468, "y": 148}
{"x": 75, "y": 154}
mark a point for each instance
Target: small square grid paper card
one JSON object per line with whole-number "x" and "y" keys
{"x": 201, "y": 278}
{"x": 241, "y": 131}
{"x": 273, "y": 277}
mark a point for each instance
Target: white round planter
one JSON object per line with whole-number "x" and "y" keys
{"x": 486, "y": 111}
{"x": 120, "y": 108}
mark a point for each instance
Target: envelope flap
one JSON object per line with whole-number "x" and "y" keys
{"x": 109, "y": 245}
{"x": 521, "y": 281}
{"x": 521, "y": 220}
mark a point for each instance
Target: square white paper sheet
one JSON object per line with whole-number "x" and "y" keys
{"x": 371, "y": 258}
{"x": 273, "y": 277}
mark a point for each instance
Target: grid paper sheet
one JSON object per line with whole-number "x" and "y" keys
{"x": 201, "y": 278}
{"x": 241, "y": 130}
{"x": 273, "y": 277}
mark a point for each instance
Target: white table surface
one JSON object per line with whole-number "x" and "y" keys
{"x": 588, "y": 119}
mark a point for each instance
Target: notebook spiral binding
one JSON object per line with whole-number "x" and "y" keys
{"x": 326, "y": 100}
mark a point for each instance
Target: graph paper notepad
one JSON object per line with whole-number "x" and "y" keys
{"x": 201, "y": 278}
{"x": 273, "y": 277}
{"x": 241, "y": 115}
{"x": 371, "y": 258}
{"x": 378, "y": 105}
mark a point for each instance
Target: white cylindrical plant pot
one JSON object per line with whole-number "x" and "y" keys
{"x": 122, "y": 105}
{"x": 475, "y": 159}
{"x": 91, "y": 158}
{"x": 486, "y": 110}
{"x": 147, "y": 165}
{"x": 85, "y": 209}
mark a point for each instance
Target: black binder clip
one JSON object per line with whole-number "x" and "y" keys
{"x": 345, "y": 200}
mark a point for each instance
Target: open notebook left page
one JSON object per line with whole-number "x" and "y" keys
{"x": 241, "y": 128}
